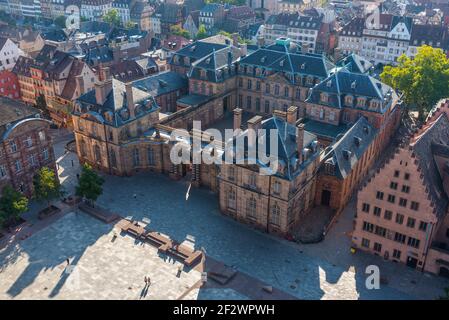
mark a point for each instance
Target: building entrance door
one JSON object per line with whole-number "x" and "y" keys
{"x": 326, "y": 198}
{"x": 412, "y": 262}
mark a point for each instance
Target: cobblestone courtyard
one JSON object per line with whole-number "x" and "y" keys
{"x": 35, "y": 268}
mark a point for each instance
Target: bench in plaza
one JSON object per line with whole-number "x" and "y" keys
{"x": 157, "y": 239}
{"x": 133, "y": 229}
{"x": 98, "y": 213}
{"x": 186, "y": 255}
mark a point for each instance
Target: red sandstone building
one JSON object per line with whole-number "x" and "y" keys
{"x": 9, "y": 85}
{"x": 402, "y": 210}
{"x": 25, "y": 145}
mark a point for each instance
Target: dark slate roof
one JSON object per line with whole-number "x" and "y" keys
{"x": 219, "y": 65}
{"x": 115, "y": 106}
{"x": 99, "y": 54}
{"x": 46, "y": 53}
{"x": 422, "y": 147}
{"x": 355, "y": 63}
{"x": 56, "y": 35}
{"x": 287, "y": 147}
{"x": 408, "y": 21}
{"x": 349, "y": 149}
{"x": 343, "y": 83}
{"x": 353, "y": 28}
{"x": 279, "y": 57}
{"x": 22, "y": 66}
{"x": 199, "y": 49}
{"x": 429, "y": 35}
{"x": 325, "y": 130}
{"x": 193, "y": 100}
{"x": 161, "y": 83}
{"x": 127, "y": 70}
{"x": 95, "y": 27}
{"x": 211, "y": 7}
{"x": 296, "y": 20}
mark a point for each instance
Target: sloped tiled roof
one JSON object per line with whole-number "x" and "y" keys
{"x": 350, "y": 148}
{"x": 355, "y": 63}
{"x": 161, "y": 83}
{"x": 22, "y": 66}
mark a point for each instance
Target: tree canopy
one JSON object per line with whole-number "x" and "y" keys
{"x": 202, "y": 32}
{"x": 46, "y": 185}
{"x": 12, "y": 205}
{"x": 112, "y": 17}
{"x": 423, "y": 80}
{"x": 60, "y": 22}
{"x": 178, "y": 31}
{"x": 89, "y": 184}
{"x": 41, "y": 104}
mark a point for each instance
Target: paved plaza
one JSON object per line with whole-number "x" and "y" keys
{"x": 100, "y": 268}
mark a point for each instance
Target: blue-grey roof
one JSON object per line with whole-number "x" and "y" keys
{"x": 350, "y": 148}
{"x": 287, "y": 151}
{"x": 286, "y": 57}
{"x": 193, "y": 100}
{"x": 356, "y": 63}
{"x": 211, "y": 7}
{"x": 343, "y": 83}
{"x": 161, "y": 83}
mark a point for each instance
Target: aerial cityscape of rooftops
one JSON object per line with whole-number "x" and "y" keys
{"x": 224, "y": 149}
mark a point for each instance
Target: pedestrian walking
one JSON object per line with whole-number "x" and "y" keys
{"x": 146, "y": 281}
{"x": 149, "y": 281}
{"x": 73, "y": 163}
{"x": 135, "y": 196}
{"x": 68, "y": 261}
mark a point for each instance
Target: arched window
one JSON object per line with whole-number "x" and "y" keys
{"x": 136, "y": 157}
{"x": 275, "y": 217}
{"x": 83, "y": 148}
{"x": 267, "y": 106}
{"x": 113, "y": 159}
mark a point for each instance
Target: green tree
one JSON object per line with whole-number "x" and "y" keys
{"x": 60, "y": 22}
{"x": 130, "y": 25}
{"x": 12, "y": 205}
{"x": 202, "y": 32}
{"x": 46, "y": 185}
{"x": 112, "y": 17}
{"x": 229, "y": 35}
{"x": 89, "y": 184}
{"x": 423, "y": 80}
{"x": 41, "y": 104}
{"x": 178, "y": 31}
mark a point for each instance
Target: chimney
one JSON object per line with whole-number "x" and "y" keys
{"x": 130, "y": 99}
{"x": 300, "y": 139}
{"x": 253, "y": 125}
{"x": 102, "y": 89}
{"x": 280, "y": 114}
{"x": 292, "y": 115}
{"x": 260, "y": 41}
{"x": 237, "y": 119}
{"x": 235, "y": 39}
{"x": 105, "y": 73}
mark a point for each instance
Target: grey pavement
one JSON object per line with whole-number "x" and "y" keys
{"x": 326, "y": 270}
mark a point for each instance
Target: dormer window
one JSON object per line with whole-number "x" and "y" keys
{"x": 361, "y": 102}
{"x": 349, "y": 100}
{"x": 324, "y": 97}
{"x": 374, "y": 104}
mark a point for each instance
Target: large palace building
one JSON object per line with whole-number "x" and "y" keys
{"x": 331, "y": 122}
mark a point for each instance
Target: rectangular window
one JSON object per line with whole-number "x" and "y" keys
{"x": 380, "y": 231}
{"x": 396, "y": 173}
{"x": 13, "y": 146}
{"x": 412, "y": 242}
{"x": 45, "y": 154}
{"x": 391, "y": 198}
{"x": 365, "y": 207}
{"x": 414, "y": 205}
{"x": 369, "y": 227}
{"x": 396, "y": 254}
{"x": 379, "y": 195}
{"x": 423, "y": 226}
{"x": 377, "y": 247}
{"x": 18, "y": 165}
{"x": 393, "y": 185}
{"x": 388, "y": 215}
{"x": 2, "y": 171}
{"x": 365, "y": 243}
{"x": 402, "y": 202}
{"x": 377, "y": 211}
{"x": 405, "y": 189}
{"x": 399, "y": 237}
{"x": 407, "y": 176}
{"x": 411, "y": 222}
{"x": 399, "y": 218}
